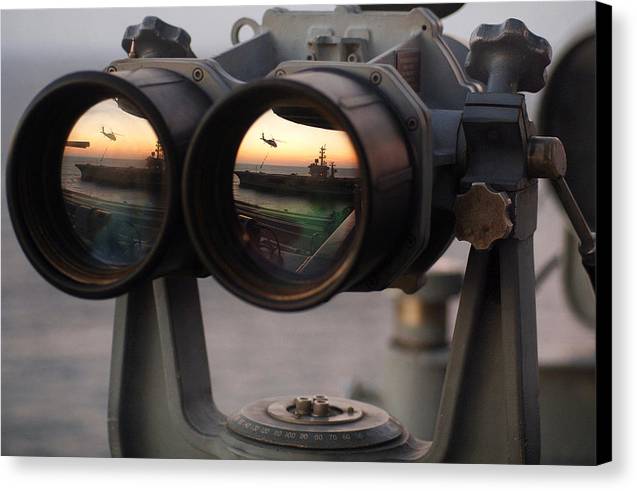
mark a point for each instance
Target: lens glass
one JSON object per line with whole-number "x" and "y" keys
{"x": 296, "y": 191}
{"x": 113, "y": 182}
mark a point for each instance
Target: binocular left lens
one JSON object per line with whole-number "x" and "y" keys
{"x": 114, "y": 190}
{"x": 92, "y": 179}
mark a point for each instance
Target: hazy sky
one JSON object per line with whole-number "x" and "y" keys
{"x": 137, "y": 138}
{"x": 300, "y": 143}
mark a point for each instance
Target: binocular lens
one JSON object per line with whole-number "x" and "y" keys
{"x": 296, "y": 188}
{"x": 92, "y": 178}
{"x": 113, "y": 178}
{"x": 296, "y": 191}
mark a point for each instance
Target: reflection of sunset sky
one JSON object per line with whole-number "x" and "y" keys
{"x": 138, "y": 138}
{"x": 300, "y": 145}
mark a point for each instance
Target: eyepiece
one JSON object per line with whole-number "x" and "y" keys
{"x": 297, "y": 188}
{"x": 92, "y": 177}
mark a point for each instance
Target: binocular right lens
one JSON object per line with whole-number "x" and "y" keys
{"x": 295, "y": 202}
{"x": 296, "y": 188}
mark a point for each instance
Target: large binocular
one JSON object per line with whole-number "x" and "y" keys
{"x": 288, "y": 176}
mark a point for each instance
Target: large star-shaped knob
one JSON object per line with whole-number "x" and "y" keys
{"x": 482, "y": 216}
{"x": 154, "y": 38}
{"x": 508, "y": 57}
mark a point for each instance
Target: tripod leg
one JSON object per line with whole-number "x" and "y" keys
{"x": 489, "y": 411}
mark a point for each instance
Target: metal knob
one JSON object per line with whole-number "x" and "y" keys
{"x": 546, "y": 157}
{"x": 482, "y": 216}
{"x": 154, "y": 38}
{"x": 508, "y": 57}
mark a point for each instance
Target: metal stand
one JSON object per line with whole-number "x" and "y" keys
{"x": 161, "y": 401}
{"x": 489, "y": 409}
{"x": 160, "y": 395}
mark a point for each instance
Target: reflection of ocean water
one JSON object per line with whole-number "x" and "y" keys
{"x": 71, "y": 180}
{"x": 316, "y": 205}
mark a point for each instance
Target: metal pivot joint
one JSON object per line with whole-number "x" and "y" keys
{"x": 510, "y": 58}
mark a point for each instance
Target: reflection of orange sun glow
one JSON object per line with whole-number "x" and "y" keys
{"x": 300, "y": 143}
{"x": 137, "y": 141}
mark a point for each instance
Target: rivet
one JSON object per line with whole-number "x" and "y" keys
{"x": 376, "y": 78}
{"x": 197, "y": 74}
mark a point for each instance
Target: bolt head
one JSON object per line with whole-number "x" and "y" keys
{"x": 376, "y": 78}
{"x": 320, "y": 408}
{"x": 303, "y": 406}
{"x": 412, "y": 124}
{"x": 197, "y": 74}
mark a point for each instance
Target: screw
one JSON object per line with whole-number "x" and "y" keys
{"x": 412, "y": 123}
{"x": 197, "y": 74}
{"x": 320, "y": 407}
{"x": 279, "y": 73}
{"x": 111, "y": 69}
{"x": 376, "y": 78}
{"x": 303, "y": 406}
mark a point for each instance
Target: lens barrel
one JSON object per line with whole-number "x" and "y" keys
{"x": 94, "y": 224}
{"x": 275, "y": 204}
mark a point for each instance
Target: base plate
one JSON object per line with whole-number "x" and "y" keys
{"x": 348, "y": 424}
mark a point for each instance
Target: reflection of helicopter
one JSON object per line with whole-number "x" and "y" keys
{"x": 271, "y": 141}
{"x": 110, "y": 134}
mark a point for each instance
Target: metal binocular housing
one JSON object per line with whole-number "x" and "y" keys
{"x": 403, "y": 121}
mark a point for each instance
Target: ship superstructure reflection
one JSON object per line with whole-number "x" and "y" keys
{"x": 296, "y": 207}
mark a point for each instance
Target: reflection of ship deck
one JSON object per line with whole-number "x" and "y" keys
{"x": 296, "y": 236}
{"x": 136, "y": 226}
{"x": 127, "y": 177}
{"x": 321, "y": 180}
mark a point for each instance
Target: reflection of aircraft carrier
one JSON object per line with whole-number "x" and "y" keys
{"x": 321, "y": 180}
{"x": 127, "y": 177}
